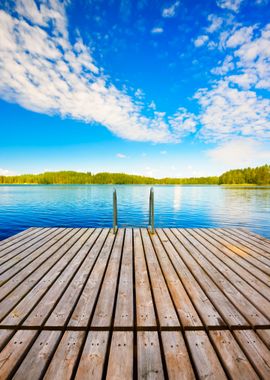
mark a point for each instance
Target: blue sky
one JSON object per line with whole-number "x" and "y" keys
{"x": 178, "y": 88}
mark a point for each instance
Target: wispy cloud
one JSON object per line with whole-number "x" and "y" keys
{"x": 233, "y": 5}
{"x": 201, "y": 40}
{"x": 157, "y": 30}
{"x": 121, "y": 155}
{"x": 43, "y": 71}
{"x": 168, "y": 12}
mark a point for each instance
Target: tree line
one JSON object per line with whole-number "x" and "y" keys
{"x": 257, "y": 176}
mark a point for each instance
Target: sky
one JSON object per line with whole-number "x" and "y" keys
{"x": 178, "y": 88}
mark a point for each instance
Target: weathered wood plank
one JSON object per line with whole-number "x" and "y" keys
{"x": 4, "y": 337}
{"x": 255, "y": 260}
{"x": 14, "y": 276}
{"x": 38, "y": 356}
{"x": 204, "y": 357}
{"x": 94, "y": 264}
{"x": 93, "y": 356}
{"x": 30, "y": 252}
{"x": 256, "y": 351}
{"x": 121, "y": 347}
{"x": 165, "y": 309}
{"x": 265, "y": 336}
{"x": 13, "y": 352}
{"x": 251, "y": 249}
{"x": 232, "y": 357}
{"x": 185, "y": 309}
{"x": 63, "y": 362}
{"x": 38, "y": 275}
{"x": 257, "y": 240}
{"x": 176, "y": 355}
{"x": 149, "y": 357}
{"x": 235, "y": 258}
{"x": 207, "y": 312}
{"x": 64, "y": 270}
{"x": 17, "y": 240}
{"x": 231, "y": 292}
{"x": 225, "y": 308}
{"x": 104, "y": 309}
{"x": 145, "y": 313}
{"x": 19, "y": 236}
{"x": 124, "y": 304}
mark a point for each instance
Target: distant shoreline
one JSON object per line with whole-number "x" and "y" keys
{"x": 259, "y": 176}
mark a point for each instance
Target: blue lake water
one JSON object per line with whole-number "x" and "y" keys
{"x": 26, "y": 206}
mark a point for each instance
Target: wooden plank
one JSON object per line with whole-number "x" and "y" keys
{"x": 18, "y": 236}
{"x": 12, "y": 277}
{"x": 224, "y": 249}
{"x": 18, "y": 242}
{"x": 13, "y": 352}
{"x": 145, "y": 313}
{"x": 204, "y": 357}
{"x": 124, "y": 304}
{"x": 20, "y": 292}
{"x": 56, "y": 279}
{"x": 265, "y": 336}
{"x": 226, "y": 309}
{"x": 38, "y": 356}
{"x": 231, "y": 292}
{"x": 256, "y": 240}
{"x": 216, "y": 266}
{"x": 219, "y": 258}
{"x": 93, "y": 356}
{"x": 21, "y": 238}
{"x": 30, "y": 252}
{"x": 63, "y": 362}
{"x": 255, "y": 236}
{"x": 256, "y": 351}
{"x": 5, "y": 335}
{"x": 165, "y": 309}
{"x": 185, "y": 309}
{"x": 176, "y": 356}
{"x": 104, "y": 309}
{"x": 207, "y": 312}
{"x": 255, "y": 259}
{"x": 248, "y": 247}
{"x": 149, "y": 356}
{"x": 121, "y": 347}
{"x": 100, "y": 252}
{"x": 232, "y": 357}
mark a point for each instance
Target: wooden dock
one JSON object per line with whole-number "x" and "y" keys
{"x": 179, "y": 304}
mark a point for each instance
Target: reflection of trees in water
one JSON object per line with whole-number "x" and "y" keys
{"x": 246, "y": 205}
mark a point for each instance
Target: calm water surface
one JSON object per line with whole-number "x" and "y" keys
{"x": 22, "y": 207}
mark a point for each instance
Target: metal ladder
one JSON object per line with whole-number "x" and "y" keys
{"x": 151, "y": 220}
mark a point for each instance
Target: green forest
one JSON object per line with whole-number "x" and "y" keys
{"x": 256, "y": 176}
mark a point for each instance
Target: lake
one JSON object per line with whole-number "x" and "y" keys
{"x": 24, "y": 206}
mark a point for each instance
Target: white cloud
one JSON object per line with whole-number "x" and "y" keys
{"x": 232, "y": 5}
{"x": 201, "y": 40}
{"x": 42, "y": 71}
{"x": 121, "y": 155}
{"x": 157, "y": 30}
{"x": 163, "y": 152}
{"x": 215, "y": 23}
{"x": 240, "y": 152}
{"x": 227, "y": 65}
{"x": 240, "y": 36}
{"x": 228, "y": 112}
{"x": 170, "y": 11}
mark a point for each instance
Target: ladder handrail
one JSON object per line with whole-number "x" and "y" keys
{"x": 115, "y": 211}
{"x": 151, "y": 212}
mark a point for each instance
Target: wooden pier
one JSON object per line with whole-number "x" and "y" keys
{"x": 178, "y": 304}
